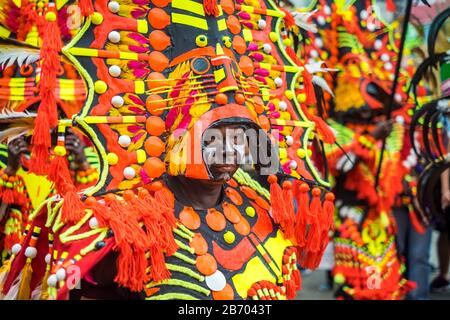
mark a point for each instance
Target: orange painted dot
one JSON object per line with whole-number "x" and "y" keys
{"x": 158, "y": 61}
{"x": 154, "y": 146}
{"x": 239, "y": 98}
{"x": 234, "y": 25}
{"x": 232, "y": 183}
{"x": 159, "y": 40}
{"x": 155, "y": 104}
{"x": 215, "y": 220}
{"x": 221, "y": 98}
{"x": 157, "y": 80}
{"x": 234, "y": 196}
{"x": 262, "y": 203}
{"x": 154, "y": 167}
{"x": 231, "y": 212}
{"x": 189, "y": 218}
{"x": 226, "y": 294}
{"x": 259, "y": 107}
{"x": 246, "y": 65}
{"x": 199, "y": 244}
{"x": 161, "y": 3}
{"x": 227, "y": 6}
{"x": 158, "y": 18}
{"x": 239, "y": 44}
{"x": 155, "y": 126}
{"x": 242, "y": 227}
{"x": 206, "y": 264}
{"x": 264, "y": 122}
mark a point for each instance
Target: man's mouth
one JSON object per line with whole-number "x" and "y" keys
{"x": 224, "y": 167}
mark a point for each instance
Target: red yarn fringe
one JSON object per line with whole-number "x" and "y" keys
{"x": 211, "y": 8}
{"x": 86, "y": 7}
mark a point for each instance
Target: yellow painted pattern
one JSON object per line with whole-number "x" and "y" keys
{"x": 38, "y": 187}
{"x": 189, "y": 6}
{"x": 189, "y": 21}
{"x": 276, "y": 245}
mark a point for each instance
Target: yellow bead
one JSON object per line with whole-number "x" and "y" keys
{"x": 289, "y": 94}
{"x": 339, "y": 278}
{"x": 60, "y": 151}
{"x": 287, "y": 42}
{"x": 141, "y": 156}
{"x": 50, "y": 16}
{"x": 311, "y": 135}
{"x": 112, "y": 158}
{"x": 250, "y": 211}
{"x": 100, "y": 87}
{"x": 97, "y": 18}
{"x": 301, "y": 97}
{"x": 229, "y": 237}
{"x": 309, "y": 153}
{"x": 273, "y": 36}
{"x": 283, "y": 153}
{"x": 301, "y": 153}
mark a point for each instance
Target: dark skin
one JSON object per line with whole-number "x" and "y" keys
{"x": 19, "y": 147}
{"x": 204, "y": 194}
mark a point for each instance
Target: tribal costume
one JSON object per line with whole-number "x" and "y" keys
{"x": 159, "y": 73}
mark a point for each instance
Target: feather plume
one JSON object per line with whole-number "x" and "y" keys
{"x": 12, "y": 51}
{"x": 302, "y": 20}
{"x": 15, "y": 124}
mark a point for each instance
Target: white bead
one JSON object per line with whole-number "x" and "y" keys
{"x": 398, "y": 97}
{"x": 16, "y": 248}
{"x": 319, "y": 42}
{"x": 267, "y": 48}
{"x": 262, "y": 24}
{"x": 114, "y": 36}
{"x": 321, "y": 20}
{"x": 388, "y": 66}
{"x": 113, "y": 6}
{"x": 289, "y": 140}
{"x": 52, "y": 281}
{"x": 117, "y": 101}
{"x": 363, "y": 14}
{"x": 371, "y": 27}
{"x": 115, "y": 71}
{"x": 385, "y": 57}
{"x": 48, "y": 258}
{"x": 327, "y": 10}
{"x": 216, "y": 281}
{"x": 314, "y": 53}
{"x": 282, "y": 105}
{"x": 93, "y": 223}
{"x": 30, "y": 252}
{"x": 124, "y": 141}
{"x": 400, "y": 119}
{"x": 129, "y": 173}
{"x": 61, "y": 274}
{"x": 293, "y": 165}
{"x": 278, "y": 81}
{"x": 378, "y": 44}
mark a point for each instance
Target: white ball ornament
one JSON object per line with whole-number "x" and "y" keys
{"x": 30, "y": 252}
{"x": 282, "y": 105}
{"x": 278, "y": 81}
{"x": 114, "y": 6}
{"x": 93, "y": 223}
{"x": 16, "y": 248}
{"x": 114, "y": 71}
{"x": 114, "y": 36}
{"x": 124, "y": 141}
{"x": 267, "y": 48}
{"x": 129, "y": 173}
{"x": 52, "y": 281}
{"x": 262, "y": 24}
{"x": 61, "y": 274}
{"x": 117, "y": 101}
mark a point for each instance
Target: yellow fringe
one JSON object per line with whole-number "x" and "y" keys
{"x": 24, "y": 287}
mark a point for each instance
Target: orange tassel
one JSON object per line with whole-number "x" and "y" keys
{"x": 72, "y": 208}
{"x": 415, "y": 222}
{"x": 328, "y": 211}
{"x": 276, "y": 200}
{"x": 309, "y": 88}
{"x": 302, "y": 199}
{"x": 86, "y": 7}
{"x": 288, "y": 204}
{"x": 315, "y": 212}
{"x": 60, "y": 174}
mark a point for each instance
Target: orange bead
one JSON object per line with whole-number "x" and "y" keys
{"x": 260, "y": 201}
{"x": 242, "y": 227}
{"x": 287, "y": 184}
{"x": 159, "y": 40}
{"x": 234, "y": 25}
{"x": 264, "y": 122}
{"x": 239, "y": 44}
{"x": 259, "y": 108}
{"x": 128, "y": 195}
{"x": 142, "y": 193}
{"x": 90, "y": 201}
{"x": 158, "y": 18}
{"x": 272, "y": 179}
{"x": 155, "y": 104}
{"x": 110, "y": 197}
{"x": 246, "y": 65}
{"x": 239, "y": 98}
{"x": 155, "y": 186}
{"x": 161, "y": 3}
{"x": 221, "y": 98}
{"x": 232, "y": 183}
{"x": 215, "y": 220}
{"x": 227, "y": 6}
{"x": 304, "y": 187}
{"x": 189, "y": 218}
{"x": 154, "y": 167}
{"x": 157, "y": 80}
{"x": 249, "y": 192}
{"x": 199, "y": 244}
{"x": 234, "y": 196}
{"x": 155, "y": 126}
{"x": 231, "y": 212}
{"x": 158, "y": 61}
{"x": 206, "y": 264}
{"x": 226, "y": 293}
{"x": 154, "y": 146}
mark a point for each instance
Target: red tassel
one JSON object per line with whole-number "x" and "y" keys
{"x": 288, "y": 18}
{"x": 211, "y": 8}
{"x": 315, "y": 211}
{"x": 328, "y": 212}
{"x": 415, "y": 222}
{"x": 60, "y": 174}
{"x": 290, "y": 289}
{"x": 302, "y": 199}
{"x": 72, "y": 208}
{"x": 309, "y": 88}
{"x": 86, "y": 7}
{"x": 276, "y": 200}
{"x": 288, "y": 204}
{"x": 297, "y": 277}
{"x": 390, "y": 5}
